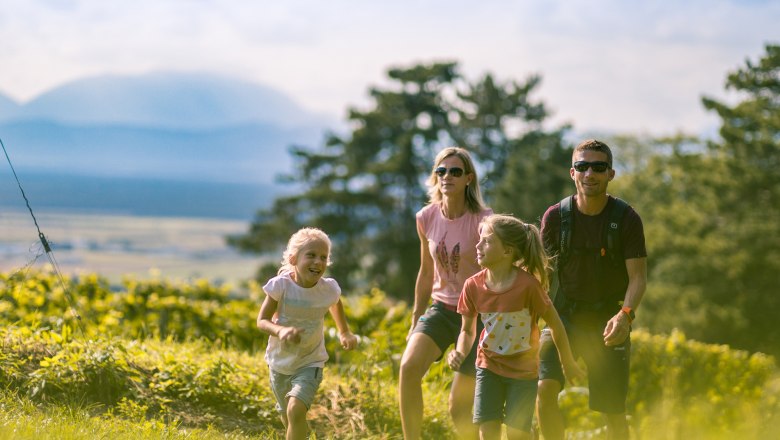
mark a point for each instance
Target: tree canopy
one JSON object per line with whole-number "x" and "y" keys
{"x": 712, "y": 218}
{"x": 364, "y": 188}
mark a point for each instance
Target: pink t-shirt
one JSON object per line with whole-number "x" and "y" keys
{"x": 453, "y": 246}
{"x": 509, "y": 344}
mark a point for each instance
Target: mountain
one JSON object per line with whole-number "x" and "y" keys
{"x": 193, "y": 101}
{"x": 176, "y": 126}
{"x": 174, "y": 144}
{"x": 8, "y": 107}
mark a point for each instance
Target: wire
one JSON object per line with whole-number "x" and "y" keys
{"x": 46, "y": 246}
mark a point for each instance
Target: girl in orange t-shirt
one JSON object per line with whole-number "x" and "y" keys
{"x": 509, "y": 295}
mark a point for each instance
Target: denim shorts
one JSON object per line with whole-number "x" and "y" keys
{"x": 504, "y": 399}
{"x": 302, "y": 385}
{"x": 608, "y": 367}
{"x": 442, "y": 324}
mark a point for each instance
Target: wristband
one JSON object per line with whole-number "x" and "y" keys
{"x": 629, "y": 313}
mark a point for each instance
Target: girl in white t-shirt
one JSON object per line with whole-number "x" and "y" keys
{"x": 293, "y": 313}
{"x": 509, "y": 295}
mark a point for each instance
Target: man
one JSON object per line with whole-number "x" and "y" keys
{"x": 602, "y": 276}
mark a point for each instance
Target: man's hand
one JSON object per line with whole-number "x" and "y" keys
{"x": 617, "y": 330}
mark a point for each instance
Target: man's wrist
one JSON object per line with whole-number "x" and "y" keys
{"x": 629, "y": 313}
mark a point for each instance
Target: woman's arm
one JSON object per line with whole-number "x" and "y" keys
{"x": 424, "y": 285}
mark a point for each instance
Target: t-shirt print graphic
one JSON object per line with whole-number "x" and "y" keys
{"x": 449, "y": 262}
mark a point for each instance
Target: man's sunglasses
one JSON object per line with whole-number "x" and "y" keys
{"x": 454, "y": 171}
{"x": 597, "y": 167}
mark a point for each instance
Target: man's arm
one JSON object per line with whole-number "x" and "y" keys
{"x": 618, "y": 327}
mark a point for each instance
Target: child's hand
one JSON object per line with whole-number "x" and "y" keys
{"x": 572, "y": 370}
{"x": 290, "y": 334}
{"x": 348, "y": 340}
{"x": 455, "y": 359}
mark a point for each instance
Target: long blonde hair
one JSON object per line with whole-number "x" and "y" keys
{"x": 297, "y": 241}
{"x": 526, "y": 243}
{"x": 474, "y": 201}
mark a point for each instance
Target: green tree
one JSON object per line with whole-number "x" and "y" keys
{"x": 749, "y": 200}
{"x": 711, "y": 215}
{"x": 364, "y": 188}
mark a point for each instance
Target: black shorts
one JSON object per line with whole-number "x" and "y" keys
{"x": 442, "y": 324}
{"x": 608, "y": 367}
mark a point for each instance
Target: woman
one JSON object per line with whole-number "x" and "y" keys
{"x": 449, "y": 230}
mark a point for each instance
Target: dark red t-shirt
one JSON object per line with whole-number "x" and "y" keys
{"x": 583, "y": 277}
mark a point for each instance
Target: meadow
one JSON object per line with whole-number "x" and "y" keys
{"x": 155, "y": 358}
{"x": 116, "y": 245}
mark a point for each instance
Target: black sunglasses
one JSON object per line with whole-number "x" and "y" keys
{"x": 454, "y": 171}
{"x": 597, "y": 167}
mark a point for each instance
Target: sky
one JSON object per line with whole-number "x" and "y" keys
{"x": 621, "y": 66}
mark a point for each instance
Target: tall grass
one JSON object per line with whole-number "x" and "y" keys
{"x": 166, "y": 360}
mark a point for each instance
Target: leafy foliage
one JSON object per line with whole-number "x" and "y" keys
{"x": 197, "y": 377}
{"x": 364, "y": 189}
{"x": 710, "y": 213}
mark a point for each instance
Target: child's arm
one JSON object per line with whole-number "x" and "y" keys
{"x": 570, "y": 368}
{"x": 347, "y": 339}
{"x": 466, "y": 337}
{"x": 265, "y": 324}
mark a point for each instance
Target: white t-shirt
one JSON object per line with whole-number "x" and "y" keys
{"x": 305, "y": 308}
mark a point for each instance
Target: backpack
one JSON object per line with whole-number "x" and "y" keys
{"x": 610, "y": 247}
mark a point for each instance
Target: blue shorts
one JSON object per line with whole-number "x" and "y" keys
{"x": 302, "y": 385}
{"x": 608, "y": 367}
{"x": 442, "y": 324}
{"x": 504, "y": 399}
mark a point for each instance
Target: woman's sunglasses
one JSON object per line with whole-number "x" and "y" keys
{"x": 597, "y": 167}
{"x": 454, "y": 171}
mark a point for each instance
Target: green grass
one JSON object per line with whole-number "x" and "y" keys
{"x": 168, "y": 360}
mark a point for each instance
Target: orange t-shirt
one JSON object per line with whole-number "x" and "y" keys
{"x": 509, "y": 344}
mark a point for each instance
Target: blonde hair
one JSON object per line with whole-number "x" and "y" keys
{"x": 297, "y": 241}
{"x": 526, "y": 243}
{"x": 474, "y": 201}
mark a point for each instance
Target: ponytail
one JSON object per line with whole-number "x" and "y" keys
{"x": 525, "y": 241}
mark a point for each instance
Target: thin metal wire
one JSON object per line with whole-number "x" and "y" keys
{"x": 46, "y": 246}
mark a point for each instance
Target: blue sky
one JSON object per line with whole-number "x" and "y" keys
{"x": 623, "y": 66}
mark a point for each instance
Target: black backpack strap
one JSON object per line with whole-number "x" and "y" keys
{"x": 566, "y": 222}
{"x": 563, "y": 251}
{"x": 613, "y": 248}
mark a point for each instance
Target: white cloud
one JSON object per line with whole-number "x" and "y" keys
{"x": 606, "y": 64}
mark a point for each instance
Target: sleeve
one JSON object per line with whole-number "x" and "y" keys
{"x": 550, "y": 230}
{"x": 274, "y": 287}
{"x": 466, "y": 305}
{"x": 422, "y": 217}
{"x": 633, "y": 236}
{"x": 333, "y": 288}
{"x": 538, "y": 298}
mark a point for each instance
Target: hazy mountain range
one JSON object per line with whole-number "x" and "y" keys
{"x": 163, "y": 125}
{"x": 142, "y": 131}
